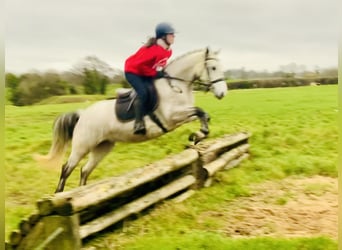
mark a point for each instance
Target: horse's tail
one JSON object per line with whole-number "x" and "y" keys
{"x": 63, "y": 129}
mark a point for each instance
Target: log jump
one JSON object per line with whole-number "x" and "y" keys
{"x": 64, "y": 219}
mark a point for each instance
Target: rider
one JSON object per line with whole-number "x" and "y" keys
{"x": 146, "y": 65}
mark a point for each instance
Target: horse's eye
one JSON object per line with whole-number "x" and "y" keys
{"x": 213, "y": 68}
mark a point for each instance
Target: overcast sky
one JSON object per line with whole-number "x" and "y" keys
{"x": 254, "y": 34}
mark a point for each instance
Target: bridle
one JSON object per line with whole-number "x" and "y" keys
{"x": 197, "y": 78}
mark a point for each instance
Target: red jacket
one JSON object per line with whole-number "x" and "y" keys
{"x": 147, "y": 59}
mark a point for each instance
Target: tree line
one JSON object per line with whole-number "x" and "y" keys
{"x": 291, "y": 70}
{"x": 92, "y": 76}
{"x": 89, "y": 76}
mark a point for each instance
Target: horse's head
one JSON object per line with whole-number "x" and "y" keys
{"x": 201, "y": 67}
{"x": 212, "y": 76}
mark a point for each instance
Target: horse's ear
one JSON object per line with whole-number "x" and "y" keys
{"x": 207, "y": 51}
{"x": 217, "y": 52}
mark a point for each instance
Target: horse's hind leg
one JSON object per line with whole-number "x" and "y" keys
{"x": 67, "y": 169}
{"x": 95, "y": 156}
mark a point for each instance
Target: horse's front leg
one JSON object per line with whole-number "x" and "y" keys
{"x": 204, "y": 131}
{"x": 204, "y": 119}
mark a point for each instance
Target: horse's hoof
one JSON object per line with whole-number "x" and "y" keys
{"x": 207, "y": 117}
{"x": 205, "y": 131}
{"x": 192, "y": 137}
{"x": 197, "y": 137}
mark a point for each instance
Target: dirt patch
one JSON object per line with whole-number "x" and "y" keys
{"x": 290, "y": 208}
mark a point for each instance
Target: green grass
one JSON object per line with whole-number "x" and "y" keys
{"x": 294, "y": 132}
{"x": 213, "y": 241}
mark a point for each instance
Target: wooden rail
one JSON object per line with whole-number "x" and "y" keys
{"x": 78, "y": 199}
{"x": 64, "y": 219}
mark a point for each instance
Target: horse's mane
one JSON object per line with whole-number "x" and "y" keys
{"x": 184, "y": 55}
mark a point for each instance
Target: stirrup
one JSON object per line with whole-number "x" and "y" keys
{"x": 139, "y": 128}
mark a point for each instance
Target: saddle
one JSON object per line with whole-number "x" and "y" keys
{"x": 125, "y": 100}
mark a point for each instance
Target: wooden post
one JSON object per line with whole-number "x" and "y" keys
{"x": 200, "y": 173}
{"x": 53, "y": 233}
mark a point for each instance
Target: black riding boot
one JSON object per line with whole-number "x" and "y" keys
{"x": 139, "y": 125}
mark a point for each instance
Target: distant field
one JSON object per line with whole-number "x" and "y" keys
{"x": 294, "y": 134}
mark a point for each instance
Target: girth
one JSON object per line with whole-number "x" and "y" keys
{"x": 124, "y": 109}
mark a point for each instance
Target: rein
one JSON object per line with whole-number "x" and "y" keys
{"x": 195, "y": 80}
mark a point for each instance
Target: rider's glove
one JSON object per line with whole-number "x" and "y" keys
{"x": 161, "y": 74}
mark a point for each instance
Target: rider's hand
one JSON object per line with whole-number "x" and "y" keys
{"x": 162, "y": 74}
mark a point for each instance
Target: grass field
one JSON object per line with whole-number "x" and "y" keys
{"x": 294, "y": 133}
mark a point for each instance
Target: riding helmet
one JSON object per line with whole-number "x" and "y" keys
{"x": 163, "y": 29}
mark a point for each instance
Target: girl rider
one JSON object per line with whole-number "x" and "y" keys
{"x": 146, "y": 65}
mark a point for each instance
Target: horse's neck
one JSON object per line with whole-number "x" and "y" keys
{"x": 186, "y": 66}
{"x": 177, "y": 95}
